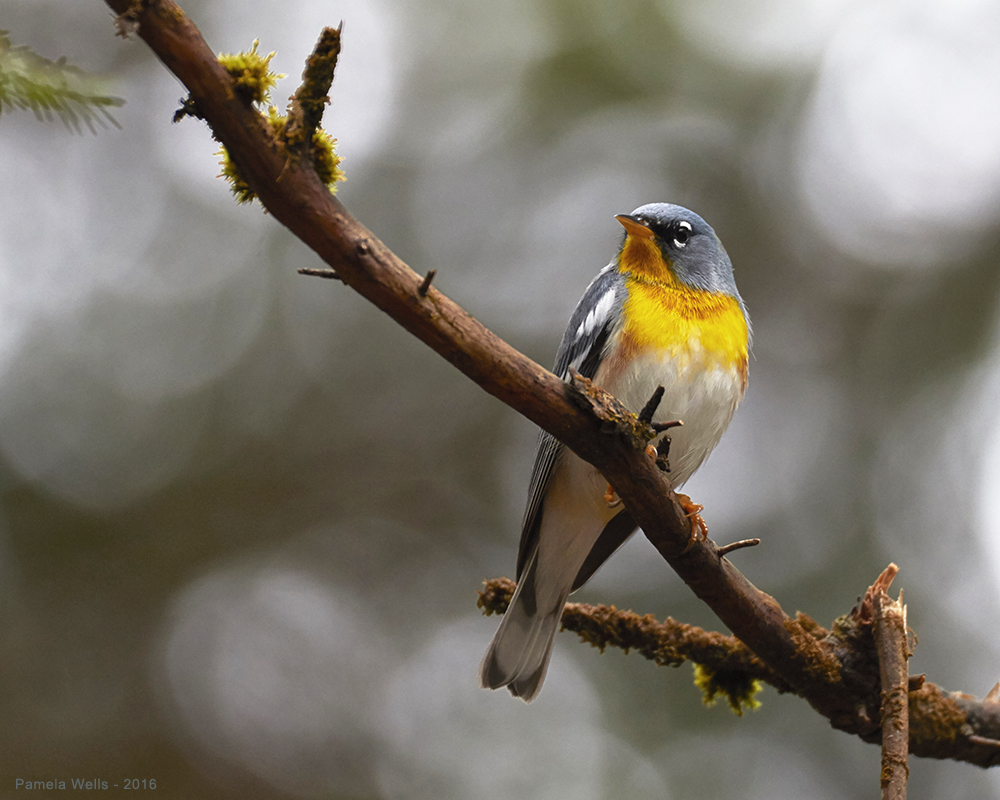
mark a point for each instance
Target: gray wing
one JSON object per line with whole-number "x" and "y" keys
{"x": 614, "y": 535}
{"x": 582, "y": 348}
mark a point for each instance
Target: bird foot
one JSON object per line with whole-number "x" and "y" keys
{"x": 609, "y": 494}
{"x": 699, "y": 530}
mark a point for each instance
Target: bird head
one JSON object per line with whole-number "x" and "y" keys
{"x": 665, "y": 241}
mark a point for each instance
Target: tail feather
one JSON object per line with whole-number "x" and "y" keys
{"x": 518, "y": 657}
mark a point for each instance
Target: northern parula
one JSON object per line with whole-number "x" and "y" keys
{"x": 665, "y": 312}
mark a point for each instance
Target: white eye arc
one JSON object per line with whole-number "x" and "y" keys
{"x": 682, "y": 234}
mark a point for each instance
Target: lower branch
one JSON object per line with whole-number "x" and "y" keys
{"x": 941, "y": 724}
{"x": 727, "y": 666}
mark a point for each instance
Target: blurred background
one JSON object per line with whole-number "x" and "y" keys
{"x": 244, "y": 516}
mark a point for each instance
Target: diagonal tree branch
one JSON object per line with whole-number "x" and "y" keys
{"x": 829, "y": 672}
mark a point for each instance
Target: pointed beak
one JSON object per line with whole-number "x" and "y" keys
{"x": 634, "y": 227}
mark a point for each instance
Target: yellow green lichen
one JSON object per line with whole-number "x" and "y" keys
{"x": 325, "y": 160}
{"x": 251, "y": 72}
{"x": 738, "y": 688}
{"x": 324, "y": 156}
{"x": 239, "y": 187}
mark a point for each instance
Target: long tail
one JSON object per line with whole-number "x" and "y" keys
{"x": 519, "y": 654}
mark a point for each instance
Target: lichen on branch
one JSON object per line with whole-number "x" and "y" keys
{"x": 253, "y": 81}
{"x": 253, "y": 78}
{"x": 323, "y": 154}
{"x": 724, "y": 666}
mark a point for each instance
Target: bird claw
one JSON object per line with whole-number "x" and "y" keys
{"x": 699, "y": 529}
{"x": 609, "y": 494}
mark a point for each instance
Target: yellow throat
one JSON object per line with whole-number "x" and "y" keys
{"x": 663, "y": 314}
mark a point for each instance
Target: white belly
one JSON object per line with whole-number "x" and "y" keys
{"x": 703, "y": 397}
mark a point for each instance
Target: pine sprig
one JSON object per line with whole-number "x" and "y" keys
{"x": 52, "y": 89}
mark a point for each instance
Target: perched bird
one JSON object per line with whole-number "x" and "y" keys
{"x": 665, "y": 312}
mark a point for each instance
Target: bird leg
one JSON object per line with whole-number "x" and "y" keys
{"x": 611, "y": 498}
{"x": 609, "y": 494}
{"x": 699, "y": 530}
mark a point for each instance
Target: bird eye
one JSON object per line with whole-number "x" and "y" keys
{"x": 681, "y": 234}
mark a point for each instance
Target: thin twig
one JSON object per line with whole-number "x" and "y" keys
{"x": 321, "y": 273}
{"x": 866, "y": 611}
{"x": 646, "y": 415}
{"x": 985, "y": 741}
{"x": 729, "y": 548}
{"x": 305, "y": 111}
{"x": 425, "y": 284}
{"x": 660, "y": 427}
{"x": 889, "y": 630}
